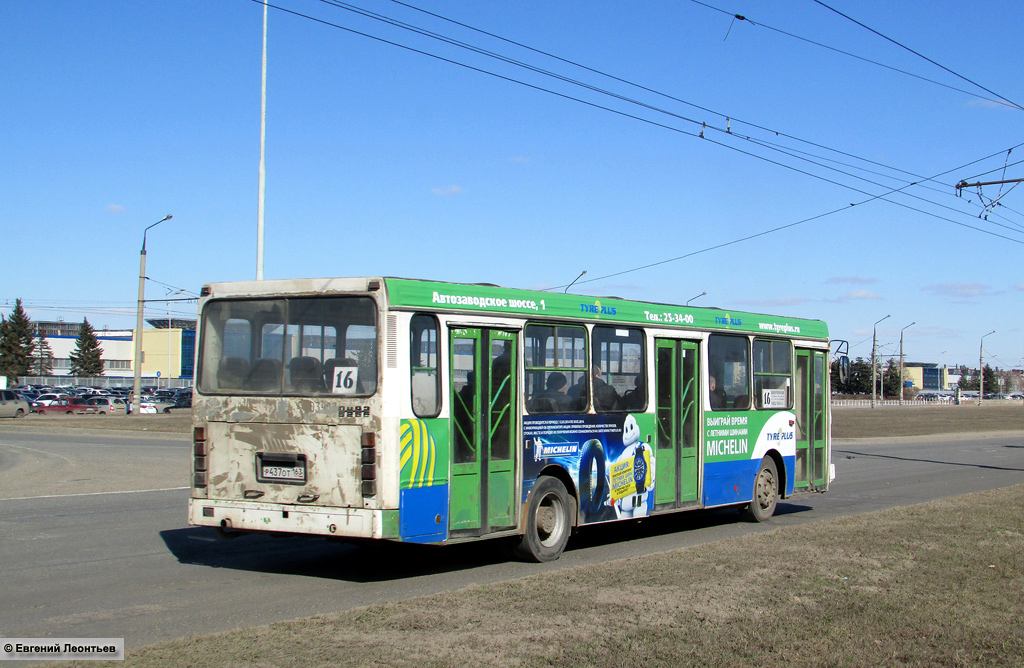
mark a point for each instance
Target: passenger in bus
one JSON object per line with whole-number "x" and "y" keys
{"x": 578, "y": 393}
{"x": 553, "y": 399}
{"x": 605, "y": 396}
{"x": 717, "y": 395}
{"x": 634, "y": 399}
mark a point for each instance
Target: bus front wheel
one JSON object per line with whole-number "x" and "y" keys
{"x": 766, "y": 492}
{"x": 548, "y": 521}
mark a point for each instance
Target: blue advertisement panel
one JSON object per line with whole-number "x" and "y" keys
{"x": 612, "y": 466}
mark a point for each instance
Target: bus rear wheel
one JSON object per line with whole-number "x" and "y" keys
{"x": 766, "y": 492}
{"x": 548, "y": 522}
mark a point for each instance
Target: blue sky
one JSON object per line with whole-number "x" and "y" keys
{"x": 384, "y": 161}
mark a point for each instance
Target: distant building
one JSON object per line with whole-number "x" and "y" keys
{"x": 927, "y": 376}
{"x": 171, "y": 351}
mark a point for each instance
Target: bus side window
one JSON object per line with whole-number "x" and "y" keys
{"x": 773, "y": 374}
{"x": 729, "y": 366}
{"x": 620, "y": 380}
{"x": 425, "y": 366}
{"x": 556, "y": 369}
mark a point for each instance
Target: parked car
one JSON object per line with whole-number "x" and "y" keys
{"x": 153, "y": 404}
{"x": 105, "y": 406}
{"x": 183, "y": 401}
{"x": 65, "y": 405}
{"x": 934, "y": 396}
{"x": 12, "y": 405}
{"x": 49, "y": 397}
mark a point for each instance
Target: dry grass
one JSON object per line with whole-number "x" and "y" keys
{"x": 891, "y": 421}
{"x": 937, "y": 584}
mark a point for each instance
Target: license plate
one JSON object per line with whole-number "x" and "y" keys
{"x": 281, "y": 468}
{"x": 284, "y": 472}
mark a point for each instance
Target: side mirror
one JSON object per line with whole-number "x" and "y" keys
{"x": 844, "y": 369}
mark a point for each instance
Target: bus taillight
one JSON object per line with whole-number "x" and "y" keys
{"x": 199, "y": 458}
{"x": 369, "y": 463}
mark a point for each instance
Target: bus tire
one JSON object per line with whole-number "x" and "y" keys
{"x": 592, "y": 498}
{"x": 548, "y": 521}
{"x": 766, "y": 492}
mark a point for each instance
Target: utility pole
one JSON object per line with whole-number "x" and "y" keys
{"x": 981, "y": 369}
{"x": 263, "y": 153}
{"x": 901, "y": 360}
{"x": 874, "y": 370}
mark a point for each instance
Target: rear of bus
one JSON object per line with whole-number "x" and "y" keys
{"x": 287, "y": 412}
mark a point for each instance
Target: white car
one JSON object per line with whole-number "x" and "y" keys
{"x": 49, "y": 398}
{"x": 150, "y": 405}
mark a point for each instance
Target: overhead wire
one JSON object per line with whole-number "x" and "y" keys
{"x": 919, "y": 55}
{"x": 759, "y": 24}
{"x": 778, "y": 229}
{"x": 997, "y": 169}
{"x": 656, "y": 92}
{"x": 701, "y": 135}
{"x": 1017, "y": 228}
{"x": 194, "y": 295}
{"x": 769, "y": 145}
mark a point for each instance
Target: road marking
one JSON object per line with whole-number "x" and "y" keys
{"x": 127, "y": 491}
{"x": 41, "y": 452}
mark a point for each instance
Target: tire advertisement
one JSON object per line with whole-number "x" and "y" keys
{"x": 607, "y": 456}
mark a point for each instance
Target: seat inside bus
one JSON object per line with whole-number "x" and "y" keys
{"x": 265, "y": 375}
{"x": 306, "y": 374}
{"x": 232, "y": 372}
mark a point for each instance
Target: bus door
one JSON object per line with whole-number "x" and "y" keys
{"x": 676, "y": 452}
{"x": 811, "y": 421}
{"x": 483, "y": 430}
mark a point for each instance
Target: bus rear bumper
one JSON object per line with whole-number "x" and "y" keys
{"x": 278, "y": 518}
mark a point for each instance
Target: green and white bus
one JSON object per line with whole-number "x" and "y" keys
{"x": 427, "y": 412}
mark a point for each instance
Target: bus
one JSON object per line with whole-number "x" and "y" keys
{"x": 428, "y": 412}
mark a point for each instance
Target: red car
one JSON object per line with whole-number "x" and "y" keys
{"x": 66, "y": 405}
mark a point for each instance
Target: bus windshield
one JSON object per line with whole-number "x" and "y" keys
{"x": 307, "y": 346}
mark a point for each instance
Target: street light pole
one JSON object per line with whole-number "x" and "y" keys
{"x": 137, "y": 386}
{"x": 981, "y": 369}
{"x": 263, "y": 153}
{"x": 697, "y": 297}
{"x": 901, "y": 360}
{"x": 874, "y": 346}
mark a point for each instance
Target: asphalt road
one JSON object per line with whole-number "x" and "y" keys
{"x": 93, "y": 540}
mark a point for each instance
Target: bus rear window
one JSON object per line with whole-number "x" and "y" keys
{"x": 310, "y": 346}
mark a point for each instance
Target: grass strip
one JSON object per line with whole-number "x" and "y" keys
{"x": 935, "y": 584}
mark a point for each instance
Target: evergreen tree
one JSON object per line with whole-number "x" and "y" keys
{"x": 860, "y": 377}
{"x": 86, "y": 360}
{"x": 43, "y": 362}
{"x": 17, "y": 341}
{"x": 968, "y": 380}
{"x": 833, "y": 372}
{"x": 991, "y": 384}
{"x": 891, "y": 379}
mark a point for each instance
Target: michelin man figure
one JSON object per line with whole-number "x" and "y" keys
{"x": 632, "y": 474}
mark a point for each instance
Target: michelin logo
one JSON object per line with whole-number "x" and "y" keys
{"x": 549, "y": 450}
